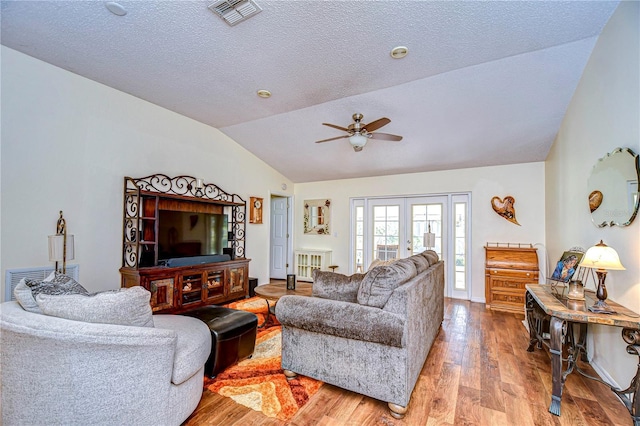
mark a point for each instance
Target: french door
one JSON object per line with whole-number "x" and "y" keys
{"x": 389, "y": 228}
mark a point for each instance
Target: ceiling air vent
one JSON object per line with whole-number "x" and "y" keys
{"x": 235, "y": 11}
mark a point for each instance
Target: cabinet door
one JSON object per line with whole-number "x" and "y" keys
{"x": 237, "y": 279}
{"x": 191, "y": 288}
{"x": 214, "y": 285}
{"x": 161, "y": 293}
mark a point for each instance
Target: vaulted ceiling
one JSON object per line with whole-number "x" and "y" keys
{"x": 484, "y": 83}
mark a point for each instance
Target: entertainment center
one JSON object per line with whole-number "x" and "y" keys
{"x": 183, "y": 240}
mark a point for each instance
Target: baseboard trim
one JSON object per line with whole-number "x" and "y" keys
{"x": 478, "y": 300}
{"x": 604, "y": 375}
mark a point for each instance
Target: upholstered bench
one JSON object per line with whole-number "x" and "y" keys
{"x": 233, "y": 335}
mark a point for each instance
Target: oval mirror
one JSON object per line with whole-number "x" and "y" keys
{"x": 613, "y": 189}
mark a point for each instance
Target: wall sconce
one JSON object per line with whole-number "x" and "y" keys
{"x": 602, "y": 258}
{"x": 429, "y": 238}
{"x": 61, "y": 245}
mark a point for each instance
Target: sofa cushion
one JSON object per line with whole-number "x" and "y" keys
{"x": 127, "y": 306}
{"x": 341, "y": 319}
{"x": 378, "y": 284}
{"x": 330, "y": 285}
{"x": 431, "y": 256}
{"x": 421, "y": 263}
{"x": 378, "y": 262}
{"x": 27, "y": 290}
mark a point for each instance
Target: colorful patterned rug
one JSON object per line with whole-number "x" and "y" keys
{"x": 259, "y": 382}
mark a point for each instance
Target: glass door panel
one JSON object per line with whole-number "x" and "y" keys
{"x": 389, "y": 228}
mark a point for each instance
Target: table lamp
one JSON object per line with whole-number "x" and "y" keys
{"x": 601, "y": 258}
{"x": 61, "y": 245}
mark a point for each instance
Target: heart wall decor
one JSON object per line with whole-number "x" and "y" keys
{"x": 505, "y": 208}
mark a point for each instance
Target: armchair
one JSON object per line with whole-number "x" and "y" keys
{"x": 56, "y": 371}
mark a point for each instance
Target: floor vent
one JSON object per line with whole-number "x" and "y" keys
{"x": 13, "y": 277}
{"x": 235, "y": 11}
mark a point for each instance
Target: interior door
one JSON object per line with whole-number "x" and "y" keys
{"x": 278, "y": 251}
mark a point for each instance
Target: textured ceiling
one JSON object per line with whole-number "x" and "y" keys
{"x": 485, "y": 83}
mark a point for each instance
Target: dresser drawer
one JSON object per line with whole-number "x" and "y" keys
{"x": 507, "y": 298}
{"x": 502, "y": 284}
{"x": 512, "y": 273}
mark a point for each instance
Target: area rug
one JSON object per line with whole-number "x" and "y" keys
{"x": 259, "y": 382}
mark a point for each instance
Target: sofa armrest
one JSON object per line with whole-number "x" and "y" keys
{"x": 193, "y": 344}
{"x": 342, "y": 319}
{"x": 331, "y": 285}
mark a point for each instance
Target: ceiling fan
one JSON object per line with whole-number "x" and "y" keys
{"x": 359, "y": 133}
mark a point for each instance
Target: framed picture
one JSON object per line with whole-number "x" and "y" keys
{"x": 566, "y": 266}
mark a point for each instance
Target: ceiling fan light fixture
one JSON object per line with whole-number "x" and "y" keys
{"x": 358, "y": 140}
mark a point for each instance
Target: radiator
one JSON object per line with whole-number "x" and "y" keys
{"x": 13, "y": 277}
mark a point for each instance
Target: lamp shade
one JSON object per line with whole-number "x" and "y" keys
{"x": 358, "y": 140}
{"x": 602, "y": 256}
{"x": 429, "y": 239}
{"x": 56, "y": 248}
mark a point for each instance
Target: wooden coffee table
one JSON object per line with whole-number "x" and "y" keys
{"x": 275, "y": 291}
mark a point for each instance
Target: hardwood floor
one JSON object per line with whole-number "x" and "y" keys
{"x": 478, "y": 373}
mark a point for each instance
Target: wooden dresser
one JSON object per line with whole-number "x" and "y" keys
{"x": 509, "y": 268}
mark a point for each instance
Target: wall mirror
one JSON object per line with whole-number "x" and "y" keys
{"x": 316, "y": 216}
{"x": 613, "y": 189}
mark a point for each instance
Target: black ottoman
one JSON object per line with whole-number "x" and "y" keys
{"x": 233, "y": 336}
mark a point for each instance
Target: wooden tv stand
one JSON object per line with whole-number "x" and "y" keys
{"x": 184, "y": 288}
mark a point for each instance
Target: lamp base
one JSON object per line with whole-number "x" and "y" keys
{"x": 600, "y": 307}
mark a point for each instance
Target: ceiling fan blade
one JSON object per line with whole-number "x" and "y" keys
{"x": 386, "y": 137}
{"x": 344, "y": 129}
{"x": 333, "y": 139}
{"x": 375, "y": 125}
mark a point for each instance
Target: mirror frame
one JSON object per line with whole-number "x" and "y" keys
{"x": 319, "y": 229}
{"x": 610, "y": 220}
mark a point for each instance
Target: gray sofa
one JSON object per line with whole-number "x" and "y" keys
{"x": 57, "y": 371}
{"x": 368, "y": 333}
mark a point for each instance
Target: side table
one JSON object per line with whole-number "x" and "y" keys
{"x": 546, "y": 304}
{"x": 276, "y": 291}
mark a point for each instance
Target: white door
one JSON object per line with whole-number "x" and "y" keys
{"x": 278, "y": 255}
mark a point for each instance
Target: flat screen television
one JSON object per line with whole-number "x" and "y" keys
{"x": 187, "y": 234}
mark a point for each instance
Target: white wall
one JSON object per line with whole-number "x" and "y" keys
{"x": 604, "y": 114}
{"x": 67, "y": 143}
{"x": 525, "y": 182}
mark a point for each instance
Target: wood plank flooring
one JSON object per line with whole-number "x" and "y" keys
{"x": 478, "y": 373}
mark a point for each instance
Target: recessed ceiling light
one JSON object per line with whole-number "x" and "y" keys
{"x": 399, "y": 52}
{"x": 264, "y": 93}
{"x": 115, "y": 8}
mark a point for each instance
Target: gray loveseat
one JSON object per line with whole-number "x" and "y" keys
{"x": 368, "y": 333}
{"x": 57, "y": 371}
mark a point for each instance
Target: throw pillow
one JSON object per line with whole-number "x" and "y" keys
{"x": 421, "y": 263}
{"x": 27, "y": 290}
{"x": 330, "y": 285}
{"x": 127, "y": 306}
{"x": 431, "y": 256}
{"x": 378, "y": 262}
{"x": 378, "y": 284}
